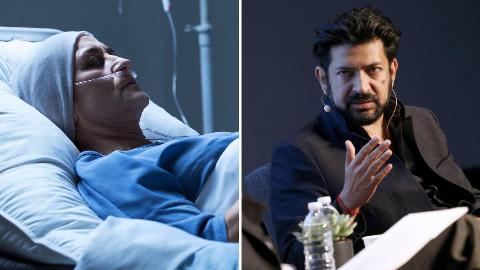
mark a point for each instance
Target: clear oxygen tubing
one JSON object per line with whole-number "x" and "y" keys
{"x": 115, "y": 74}
{"x": 120, "y": 7}
{"x": 166, "y": 8}
{"x": 174, "y": 66}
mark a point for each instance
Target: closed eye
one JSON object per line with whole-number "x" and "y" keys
{"x": 95, "y": 62}
{"x": 95, "y": 57}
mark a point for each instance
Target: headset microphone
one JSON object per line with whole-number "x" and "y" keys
{"x": 395, "y": 108}
{"x": 326, "y": 108}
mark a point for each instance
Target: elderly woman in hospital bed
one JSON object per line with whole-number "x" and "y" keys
{"x": 92, "y": 96}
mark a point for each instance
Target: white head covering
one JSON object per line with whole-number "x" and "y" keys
{"x": 45, "y": 79}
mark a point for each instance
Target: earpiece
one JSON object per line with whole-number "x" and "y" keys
{"x": 395, "y": 108}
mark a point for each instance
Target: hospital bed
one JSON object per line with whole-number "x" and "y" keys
{"x": 45, "y": 224}
{"x": 26, "y": 34}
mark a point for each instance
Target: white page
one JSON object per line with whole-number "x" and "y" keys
{"x": 404, "y": 239}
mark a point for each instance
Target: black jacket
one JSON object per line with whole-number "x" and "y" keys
{"x": 312, "y": 165}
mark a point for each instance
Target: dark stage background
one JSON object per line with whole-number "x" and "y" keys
{"x": 439, "y": 69}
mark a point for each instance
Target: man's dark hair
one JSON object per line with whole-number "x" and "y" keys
{"x": 355, "y": 27}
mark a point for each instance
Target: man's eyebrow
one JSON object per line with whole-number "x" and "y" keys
{"x": 374, "y": 64}
{"x": 344, "y": 68}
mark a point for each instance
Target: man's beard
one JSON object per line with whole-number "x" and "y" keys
{"x": 363, "y": 117}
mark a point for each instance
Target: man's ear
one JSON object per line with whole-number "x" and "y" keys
{"x": 321, "y": 76}
{"x": 393, "y": 70}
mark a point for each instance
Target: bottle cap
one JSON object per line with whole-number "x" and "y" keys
{"x": 314, "y": 206}
{"x": 324, "y": 200}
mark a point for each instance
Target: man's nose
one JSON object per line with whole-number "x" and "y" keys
{"x": 120, "y": 63}
{"x": 361, "y": 83}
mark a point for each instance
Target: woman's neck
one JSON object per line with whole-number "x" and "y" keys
{"x": 107, "y": 140}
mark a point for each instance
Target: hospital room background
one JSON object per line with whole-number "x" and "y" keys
{"x": 140, "y": 31}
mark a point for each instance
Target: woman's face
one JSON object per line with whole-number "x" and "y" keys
{"x": 105, "y": 101}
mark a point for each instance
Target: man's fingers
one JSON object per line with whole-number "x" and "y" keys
{"x": 350, "y": 152}
{"x": 382, "y": 173}
{"x": 366, "y": 149}
{"x": 378, "y": 163}
{"x": 376, "y": 153}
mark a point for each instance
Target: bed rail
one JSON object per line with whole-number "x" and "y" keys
{"x": 26, "y": 33}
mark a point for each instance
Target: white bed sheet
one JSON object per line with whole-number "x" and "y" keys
{"x": 120, "y": 243}
{"x": 221, "y": 189}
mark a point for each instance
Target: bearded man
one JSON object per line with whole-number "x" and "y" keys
{"x": 375, "y": 157}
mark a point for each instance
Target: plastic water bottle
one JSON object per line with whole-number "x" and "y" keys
{"x": 318, "y": 240}
{"x": 327, "y": 207}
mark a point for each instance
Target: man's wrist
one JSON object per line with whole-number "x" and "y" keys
{"x": 351, "y": 211}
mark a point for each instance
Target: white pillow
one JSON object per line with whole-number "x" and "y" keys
{"x": 156, "y": 123}
{"x": 12, "y": 54}
{"x": 37, "y": 184}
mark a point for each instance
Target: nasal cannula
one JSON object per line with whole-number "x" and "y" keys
{"x": 115, "y": 74}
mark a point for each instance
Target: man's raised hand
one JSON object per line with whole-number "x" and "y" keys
{"x": 364, "y": 172}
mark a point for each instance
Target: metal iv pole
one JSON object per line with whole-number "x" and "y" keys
{"x": 203, "y": 30}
